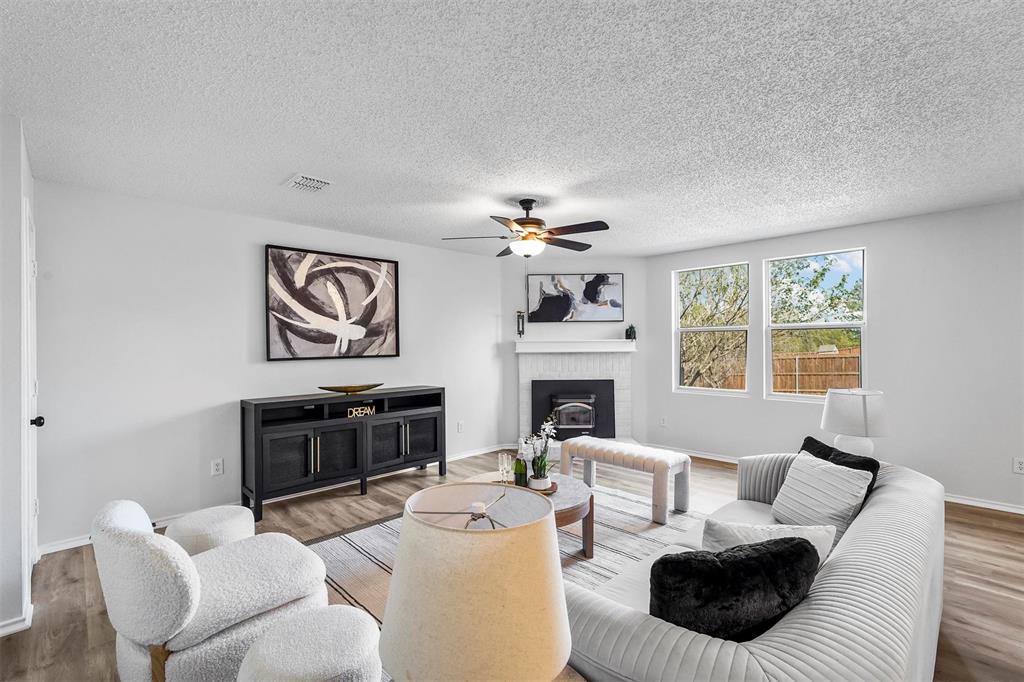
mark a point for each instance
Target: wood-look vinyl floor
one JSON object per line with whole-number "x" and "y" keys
{"x": 982, "y": 635}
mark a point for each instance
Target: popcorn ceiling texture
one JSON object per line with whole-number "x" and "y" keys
{"x": 683, "y": 124}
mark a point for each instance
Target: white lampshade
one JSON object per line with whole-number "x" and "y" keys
{"x": 477, "y": 603}
{"x": 854, "y": 412}
{"x": 527, "y": 246}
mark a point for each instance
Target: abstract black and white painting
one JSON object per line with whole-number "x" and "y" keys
{"x": 574, "y": 298}
{"x": 329, "y": 305}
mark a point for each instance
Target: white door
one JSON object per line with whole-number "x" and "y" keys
{"x": 30, "y": 385}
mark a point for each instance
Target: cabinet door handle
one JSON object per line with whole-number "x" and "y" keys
{"x": 407, "y": 448}
{"x": 310, "y": 455}
{"x": 318, "y": 454}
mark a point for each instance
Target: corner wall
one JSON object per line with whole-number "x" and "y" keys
{"x": 151, "y": 329}
{"x": 513, "y": 298}
{"x": 945, "y": 318}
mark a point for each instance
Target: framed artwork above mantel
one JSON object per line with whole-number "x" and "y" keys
{"x": 575, "y": 297}
{"x": 322, "y": 305}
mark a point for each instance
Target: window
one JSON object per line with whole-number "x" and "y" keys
{"x": 815, "y": 322}
{"x": 711, "y": 327}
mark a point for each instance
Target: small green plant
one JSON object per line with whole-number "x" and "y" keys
{"x": 540, "y": 464}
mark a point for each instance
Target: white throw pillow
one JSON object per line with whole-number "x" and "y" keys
{"x": 819, "y": 493}
{"x": 719, "y": 535}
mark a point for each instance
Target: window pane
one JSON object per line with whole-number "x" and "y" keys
{"x": 714, "y": 297}
{"x": 811, "y": 361}
{"x": 825, "y": 288}
{"x": 713, "y": 359}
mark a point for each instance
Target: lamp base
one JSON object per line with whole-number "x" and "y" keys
{"x": 855, "y": 445}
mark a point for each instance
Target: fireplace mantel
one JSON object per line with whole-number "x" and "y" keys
{"x": 591, "y": 346}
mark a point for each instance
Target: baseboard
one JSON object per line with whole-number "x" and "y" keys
{"x": 481, "y": 451}
{"x": 986, "y": 504}
{"x": 696, "y": 453}
{"x": 61, "y": 545}
{"x": 12, "y": 625}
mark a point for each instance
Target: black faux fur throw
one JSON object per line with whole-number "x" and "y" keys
{"x": 844, "y": 459}
{"x": 738, "y": 593}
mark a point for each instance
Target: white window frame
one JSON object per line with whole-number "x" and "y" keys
{"x": 677, "y": 334}
{"x": 769, "y": 381}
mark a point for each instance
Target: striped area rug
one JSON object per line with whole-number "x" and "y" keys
{"x": 359, "y": 561}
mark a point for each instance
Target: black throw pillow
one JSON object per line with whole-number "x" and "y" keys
{"x": 817, "y": 448}
{"x": 738, "y": 593}
{"x": 843, "y": 459}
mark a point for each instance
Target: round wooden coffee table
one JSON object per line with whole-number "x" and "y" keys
{"x": 573, "y": 502}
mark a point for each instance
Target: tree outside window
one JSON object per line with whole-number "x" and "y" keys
{"x": 711, "y": 327}
{"x": 816, "y": 320}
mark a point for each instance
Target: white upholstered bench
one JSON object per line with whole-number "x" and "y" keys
{"x": 661, "y": 463}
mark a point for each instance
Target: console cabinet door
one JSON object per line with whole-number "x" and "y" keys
{"x": 339, "y": 451}
{"x": 287, "y": 459}
{"x": 424, "y": 436}
{"x": 385, "y": 440}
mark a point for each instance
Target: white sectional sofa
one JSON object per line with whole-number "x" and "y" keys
{"x": 872, "y": 613}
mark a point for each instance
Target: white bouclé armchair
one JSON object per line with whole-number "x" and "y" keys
{"x": 193, "y": 618}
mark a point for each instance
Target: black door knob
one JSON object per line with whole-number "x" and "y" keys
{"x": 38, "y": 421}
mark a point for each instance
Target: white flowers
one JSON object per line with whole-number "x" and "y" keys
{"x": 537, "y": 443}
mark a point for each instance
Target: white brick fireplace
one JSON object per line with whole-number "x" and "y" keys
{"x": 599, "y": 359}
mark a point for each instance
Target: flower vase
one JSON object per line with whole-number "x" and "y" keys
{"x": 539, "y": 483}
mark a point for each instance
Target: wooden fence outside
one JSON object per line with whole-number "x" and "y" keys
{"x": 815, "y": 373}
{"x": 809, "y": 373}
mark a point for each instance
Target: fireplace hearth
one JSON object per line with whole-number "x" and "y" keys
{"x": 581, "y": 407}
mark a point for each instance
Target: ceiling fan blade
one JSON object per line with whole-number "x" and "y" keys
{"x": 594, "y": 226}
{"x": 490, "y": 236}
{"x": 567, "y": 244}
{"x": 505, "y": 252}
{"x": 508, "y": 222}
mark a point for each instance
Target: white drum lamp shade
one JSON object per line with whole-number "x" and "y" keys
{"x": 476, "y": 603}
{"x": 855, "y": 415}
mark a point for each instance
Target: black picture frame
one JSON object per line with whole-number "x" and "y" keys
{"x": 622, "y": 309}
{"x": 267, "y": 310}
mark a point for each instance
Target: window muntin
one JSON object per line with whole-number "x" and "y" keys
{"x": 815, "y": 323}
{"x": 712, "y": 314}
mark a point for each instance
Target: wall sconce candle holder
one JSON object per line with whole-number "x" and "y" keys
{"x": 520, "y": 322}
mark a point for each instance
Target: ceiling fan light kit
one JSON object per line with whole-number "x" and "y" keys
{"x": 530, "y": 235}
{"x": 527, "y": 245}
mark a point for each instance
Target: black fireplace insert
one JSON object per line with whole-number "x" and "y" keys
{"x": 581, "y": 407}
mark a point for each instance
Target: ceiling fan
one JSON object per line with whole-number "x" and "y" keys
{"x": 530, "y": 235}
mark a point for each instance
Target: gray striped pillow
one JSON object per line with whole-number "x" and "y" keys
{"x": 819, "y": 493}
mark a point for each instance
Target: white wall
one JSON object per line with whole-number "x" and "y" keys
{"x": 15, "y": 470}
{"x": 513, "y": 298}
{"x": 943, "y": 340}
{"x": 151, "y": 329}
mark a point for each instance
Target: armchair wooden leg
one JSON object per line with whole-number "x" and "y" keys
{"x": 158, "y": 655}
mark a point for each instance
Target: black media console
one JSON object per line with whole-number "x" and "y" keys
{"x": 302, "y": 443}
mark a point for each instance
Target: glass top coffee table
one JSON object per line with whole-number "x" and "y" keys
{"x": 573, "y": 502}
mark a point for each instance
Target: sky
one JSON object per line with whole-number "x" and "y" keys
{"x": 850, "y": 263}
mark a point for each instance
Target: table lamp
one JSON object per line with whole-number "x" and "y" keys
{"x": 476, "y": 592}
{"x": 855, "y": 415}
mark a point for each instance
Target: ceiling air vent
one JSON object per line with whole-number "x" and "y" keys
{"x": 307, "y": 183}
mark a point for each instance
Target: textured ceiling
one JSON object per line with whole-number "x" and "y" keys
{"x": 682, "y": 124}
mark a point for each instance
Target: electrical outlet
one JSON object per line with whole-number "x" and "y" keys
{"x": 460, "y": 426}
{"x": 1018, "y": 465}
{"x": 217, "y": 466}
{"x": 663, "y": 422}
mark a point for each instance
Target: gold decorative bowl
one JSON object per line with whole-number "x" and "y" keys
{"x": 354, "y": 388}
